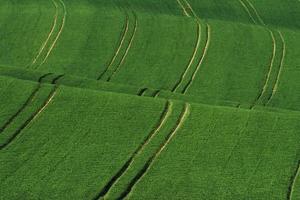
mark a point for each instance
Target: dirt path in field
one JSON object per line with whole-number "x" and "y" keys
{"x": 163, "y": 118}
{"x": 207, "y": 43}
{"x": 183, "y": 116}
{"x": 123, "y": 36}
{"x": 59, "y": 32}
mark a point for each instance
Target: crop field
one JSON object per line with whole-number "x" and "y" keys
{"x": 149, "y": 99}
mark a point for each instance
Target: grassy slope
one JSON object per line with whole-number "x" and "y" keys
{"x": 232, "y": 64}
{"x": 273, "y": 14}
{"x": 167, "y": 48}
{"x": 9, "y": 91}
{"x": 225, "y": 154}
{"x": 42, "y": 167}
{"x": 261, "y": 148}
{"x": 21, "y": 38}
{"x": 259, "y": 139}
{"x": 288, "y": 95}
{"x": 162, "y": 57}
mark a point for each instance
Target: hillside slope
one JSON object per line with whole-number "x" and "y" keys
{"x": 169, "y": 99}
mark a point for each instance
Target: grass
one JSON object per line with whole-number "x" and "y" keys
{"x": 169, "y": 99}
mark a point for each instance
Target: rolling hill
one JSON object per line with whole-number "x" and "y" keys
{"x": 169, "y": 99}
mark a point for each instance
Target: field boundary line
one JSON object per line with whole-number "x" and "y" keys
{"x": 267, "y": 79}
{"x": 49, "y": 35}
{"x": 196, "y": 48}
{"x": 123, "y": 36}
{"x": 127, "y": 49}
{"x": 248, "y": 11}
{"x": 25, "y": 104}
{"x": 31, "y": 118}
{"x": 280, "y": 67}
{"x": 58, "y": 34}
{"x": 183, "y": 116}
{"x": 183, "y": 8}
{"x": 207, "y": 43}
{"x": 167, "y": 111}
{"x": 294, "y": 178}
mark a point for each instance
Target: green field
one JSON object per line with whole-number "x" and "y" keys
{"x": 149, "y": 100}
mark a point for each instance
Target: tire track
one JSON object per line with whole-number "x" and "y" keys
{"x": 184, "y": 114}
{"x": 208, "y": 32}
{"x": 50, "y": 98}
{"x": 31, "y": 118}
{"x": 191, "y": 9}
{"x": 58, "y": 34}
{"x": 293, "y": 180}
{"x": 275, "y": 88}
{"x": 248, "y": 11}
{"x": 49, "y": 35}
{"x": 127, "y": 49}
{"x": 163, "y": 118}
{"x": 142, "y": 91}
{"x": 183, "y": 8}
{"x": 256, "y": 13}
{"x": 196, "y": 48}
{"x": 28, "y": 100}
{"x": 123, "y": 36}
{"x": 186, "y": 87}
{"x": 267, "y": 78}
{"x": 156, "y": 93}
